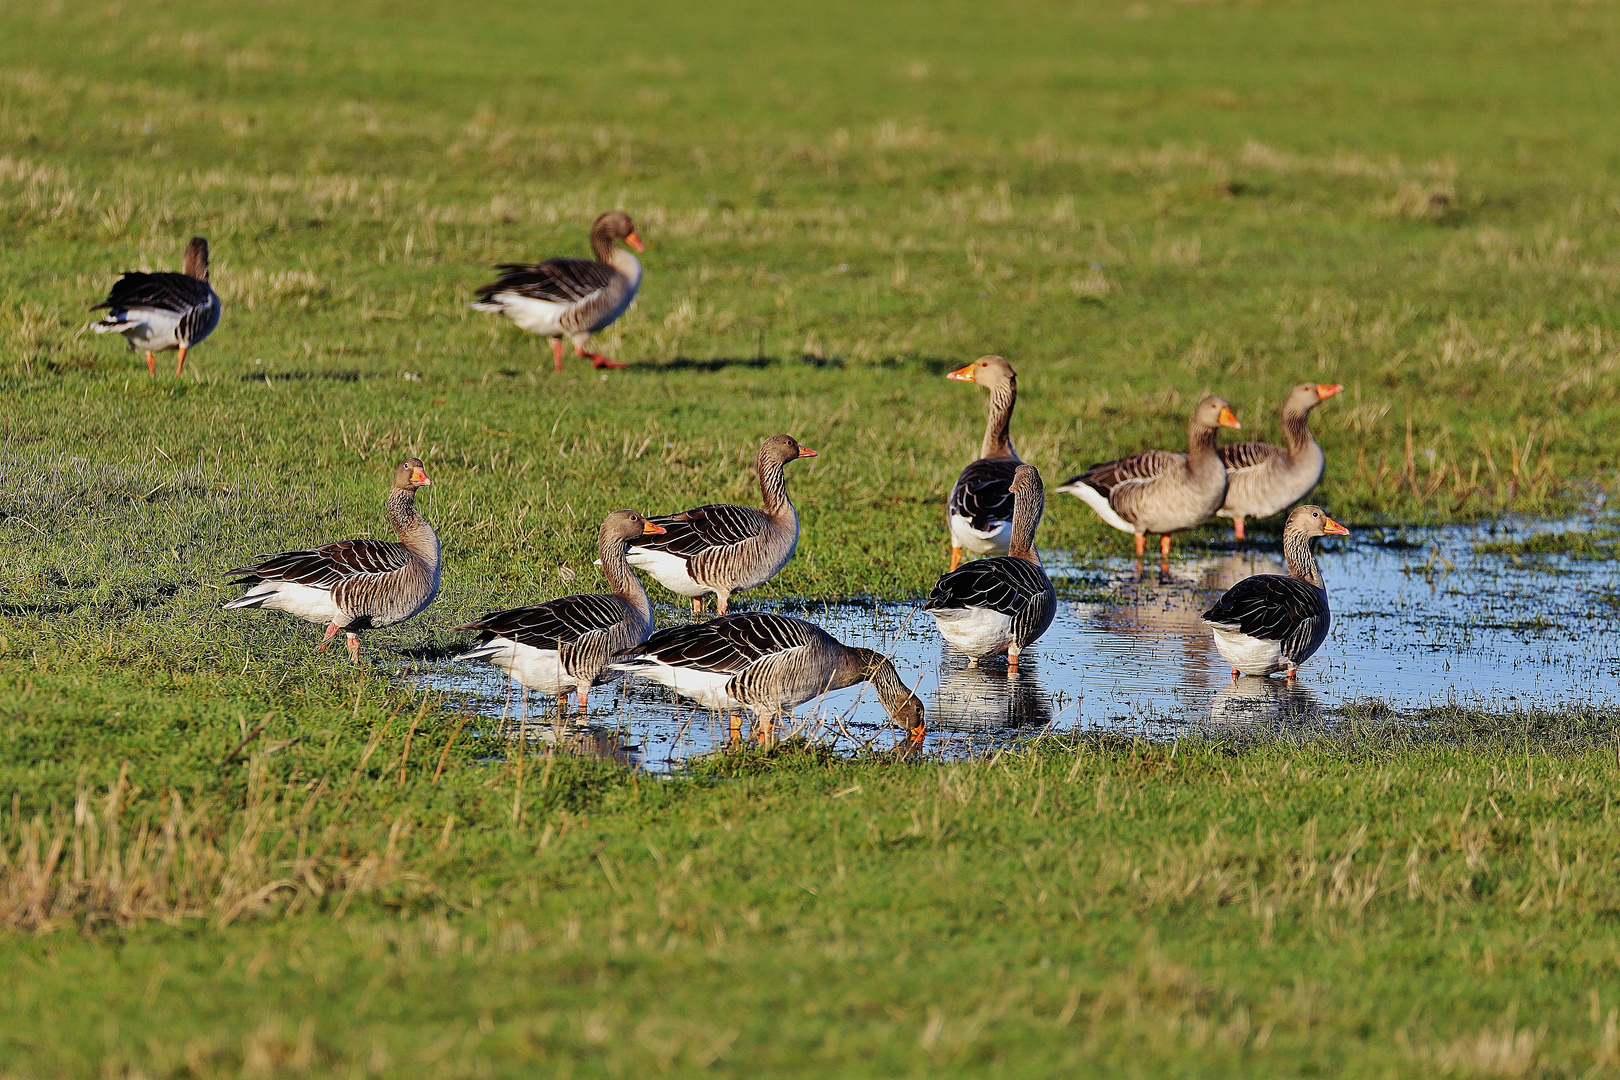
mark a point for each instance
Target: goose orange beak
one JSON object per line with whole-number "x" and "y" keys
{"x": 1327, "y": 390}
{"x": 1228, "y": 418}
{"x": 1333, "y": 528}
{"x": 963, "y": 374}
{"x": 649, "y": 529}
{"x": 419, "y": 478}
{"x": 635, "y": 241}
{"x": 805, "y": 451}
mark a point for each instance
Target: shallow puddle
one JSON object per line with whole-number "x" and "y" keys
{"x": 1420, "y": 618}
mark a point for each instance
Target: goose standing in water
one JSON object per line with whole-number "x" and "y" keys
{"x": 354, "y": 585}
{"x": 980, "y": 509}
{"x": 1275, "y": 622}
{"x": 571, "y": 298}
{"x": 1003, "y": 604}
{"x": 1161, "y": 491}
{"x": 1262, "y": 479}
{"x": 564, "y": 645}
{"x": 159, "y": 312}
{"x": 766, "y": 665}
{"x": 723, "y": 549}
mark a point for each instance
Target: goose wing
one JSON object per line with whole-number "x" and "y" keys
{"x": 1106, "y": 476}
{"x": 325, "y": 566}
{"x": 553, "y": 623}
{"x": 178, "y": 293}
{"x": 1248, "y": 455}
{"x": 983, "y": 492}
{"x": 1270, "y": 607}
{"x": 562, "y": 281}
{"x": 728, "y": 644}
{"x": 704, "y": 527}
{"x": 1002, "y": 584}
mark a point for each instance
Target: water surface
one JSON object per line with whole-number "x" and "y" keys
{"x": 1421, "y": 618}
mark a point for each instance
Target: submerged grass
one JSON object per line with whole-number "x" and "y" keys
{"x": 221, "y": 854}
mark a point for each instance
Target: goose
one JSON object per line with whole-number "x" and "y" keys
{"x": 767, "y": 665}
{"x": 725, "y": 549}
{"x": 159, "y": 312}
{"x": 354, "y": 585}
{"x": 1002, "y": 604}
{"x": 1262, "y": 479}
{"x": 571, "y": 298}
{"x": 1275, "y": 622}
{"x": 1161, "y": 491}
{"x": 980, "y": 509}
{"x": 563, "y": 645}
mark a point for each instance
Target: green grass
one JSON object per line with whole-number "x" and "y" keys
{"x": 1137, "y": 203}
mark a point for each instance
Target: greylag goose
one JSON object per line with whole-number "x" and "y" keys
{"x": 354, "y": 585}
{"x": 725, "y": 549}
{"x": 563, "y": 645}
{"x": 571, "y": 298}
{"x": 1003, "y": 604}
{"x": 980, "y": 509}
{"x": 766, "y": 665}
{"x": 1275, "y": 622}
{"x": 1262, "y": 479}
{"x": 159, "y": 312}
{"x": 1161, "y": 491}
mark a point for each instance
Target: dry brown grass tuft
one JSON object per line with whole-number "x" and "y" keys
{"x": 109, "y": 862}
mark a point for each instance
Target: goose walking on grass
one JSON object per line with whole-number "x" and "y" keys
{"x": 1262, "y": 479}
{"x": 1003, "y": 604}
{"x": 979, "y": 512}
{"x": 163, "y": 311}
{"x": 725, "y": 549}
{"x": 354, "y": 585}
{"x": 572, "y": 298}
{"x": 564, "y": 645}
{"x": 1161, "y": 491}
{"x": 1275, "y": 622}
{"x": 767, "y": 666}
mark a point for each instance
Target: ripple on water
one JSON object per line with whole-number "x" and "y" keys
{"x": 1421, "y": 618}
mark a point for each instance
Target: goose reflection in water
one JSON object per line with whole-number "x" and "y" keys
{"x": 1274, "y": 703}
{"x": 989, "y": 698}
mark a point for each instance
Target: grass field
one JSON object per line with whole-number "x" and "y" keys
{"x": 1137, "y": 203}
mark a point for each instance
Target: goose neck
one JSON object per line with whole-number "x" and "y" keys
{"x": 623, "y": 580}
{"x": 1297, "y": 431}
{"x": 997, "y": 442}
{"x": 1027, "y": 509}
{"x": 773, "y": 488}
{"x": 627, "y": 265}
{"x": 1301, "y": 559}
{"x": 414, "y": 531}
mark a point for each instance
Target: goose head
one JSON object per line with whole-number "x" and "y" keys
{"x": 410, "y": 475}
{"x": 614, "y": 226}
{"x": 196, "y": 262}
{"x": 1311, "y": 521}
{"x": 623, "y": 526}
{"x": 990, "y": 372}
{"x": 781, "y": 449}
{"x": 1214, "y": 412}
{"x": 1307, "y": 396}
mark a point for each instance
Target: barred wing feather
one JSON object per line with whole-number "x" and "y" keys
{"x": 553, "y": 623}
{"x": 1138, "y": 468}
{"x": 325, "y": 566}
{"x": 693, "y": 531}
{"x": 728, "y": 644}
{"x": 1272, "y": 607}
{"x": 563, "y": 281}
{"x": 1004, "y": 584}
{"x": 1248, "y": 455}
{"x": 983, "y": 492}
{"x": 173, "y": 292}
